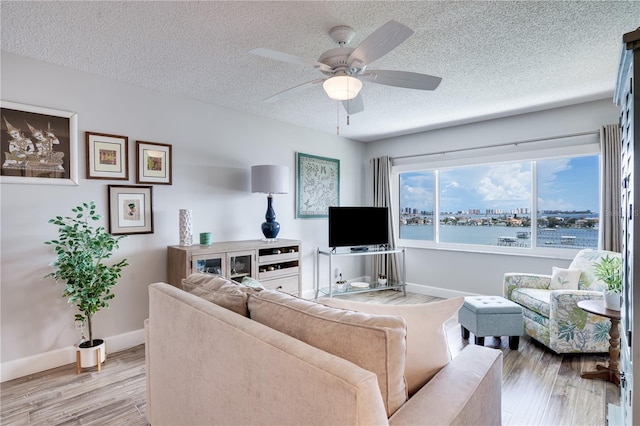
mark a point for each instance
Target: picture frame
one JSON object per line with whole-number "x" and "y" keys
{"x": 154, "y": 163}
{"x": 130, "y": 209}
{"x": 39, "y": 145}
{"x": 107, "y": 156}
{"x": 317, "y": 185}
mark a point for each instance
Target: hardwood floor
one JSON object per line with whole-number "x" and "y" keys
{"x": 538, "y": 386}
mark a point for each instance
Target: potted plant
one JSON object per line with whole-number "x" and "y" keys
{"x": 81, "y": 251}
{"x": 609, "y": 271}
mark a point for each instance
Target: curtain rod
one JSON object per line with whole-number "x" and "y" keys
{"x": 591, "y": 132}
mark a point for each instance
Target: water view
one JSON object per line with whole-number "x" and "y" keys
{"x": 504, "y": 235}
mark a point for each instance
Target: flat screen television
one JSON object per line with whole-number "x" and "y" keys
{"x": 358, "y": 226}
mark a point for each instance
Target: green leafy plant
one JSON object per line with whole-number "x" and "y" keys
{"x": 81, "y": 251}
{"x": 609, "y": 270}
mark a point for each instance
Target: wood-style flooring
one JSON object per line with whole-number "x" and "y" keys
{"x": 538, "y": 386}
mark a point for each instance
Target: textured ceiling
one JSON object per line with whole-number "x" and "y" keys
{"x": 494, "y": 57}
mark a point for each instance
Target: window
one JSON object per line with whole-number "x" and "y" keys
{"x": 550, "y": 203}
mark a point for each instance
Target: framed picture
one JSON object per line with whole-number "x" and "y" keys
{"x": 130, "y": 210}
{"x": 39, "y": 145}
{"x": 154, "y": 162}
{"x": 317, "y": 185}
{"x": 107, "y": 156}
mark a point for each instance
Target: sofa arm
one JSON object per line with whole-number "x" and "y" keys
{"x": 564, "y": 304}
{"x": 513, "y": 280}
{"x": 467, "y": 391}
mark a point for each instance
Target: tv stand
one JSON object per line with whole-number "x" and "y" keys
{"x": 360, "y": 287}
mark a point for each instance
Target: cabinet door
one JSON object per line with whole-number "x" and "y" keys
{"x": 241, "y": 264}
{"x": 209, "y": 263}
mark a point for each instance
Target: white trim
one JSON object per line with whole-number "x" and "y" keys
{"x": 444, "y": 293}
{"x": 40, "y": 362}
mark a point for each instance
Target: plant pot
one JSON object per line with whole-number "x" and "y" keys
{"x": 612, "y": 300}
{"x": 382, "y": 281}
{"x": 87, "y": 356}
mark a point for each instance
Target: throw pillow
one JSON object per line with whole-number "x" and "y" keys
{"x": 564, "y": 279}
{"x": 218, "y": 290}
{"x": 376, "y": 343}
{"x": 427, "y": 346}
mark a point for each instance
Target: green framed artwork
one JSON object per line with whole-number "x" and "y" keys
{"x": 317, "y": 185}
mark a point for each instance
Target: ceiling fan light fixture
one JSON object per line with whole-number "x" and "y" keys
{"x": 342, "y": 87}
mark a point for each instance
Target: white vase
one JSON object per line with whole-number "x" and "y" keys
{"x": 186, "y": 227}
{"x": 612, "y": 300}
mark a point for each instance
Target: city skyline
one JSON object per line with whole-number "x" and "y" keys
{"x": 564, "y": 184}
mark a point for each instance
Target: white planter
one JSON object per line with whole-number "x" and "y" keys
{"x": 382, "y": 281}
{"x": 612, "y": 300}
{"x": 88, "y": 357}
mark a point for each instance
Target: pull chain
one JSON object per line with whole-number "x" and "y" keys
{"x": 338, "y": 118}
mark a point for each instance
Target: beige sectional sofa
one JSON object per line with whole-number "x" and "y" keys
{"x": 265, "y": 357}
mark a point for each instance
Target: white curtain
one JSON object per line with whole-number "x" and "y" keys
{"x": 382, "y": 198}
{"x": 610, "y": 228}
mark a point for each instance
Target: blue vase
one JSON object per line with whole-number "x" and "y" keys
{"x": 270, "y": 228}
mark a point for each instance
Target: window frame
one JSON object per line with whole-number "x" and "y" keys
{"x": 584, "y": 145}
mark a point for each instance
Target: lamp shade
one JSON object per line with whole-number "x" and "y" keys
{"x": 342, "y": 87}
{"x": 270, "y": 179}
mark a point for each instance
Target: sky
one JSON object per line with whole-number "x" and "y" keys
{"x": 563, "y": 184}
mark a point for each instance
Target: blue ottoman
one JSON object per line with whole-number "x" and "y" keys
{"x": 491, "y": 316}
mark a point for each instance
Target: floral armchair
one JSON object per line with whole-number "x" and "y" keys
{"x": 549, "y": 304}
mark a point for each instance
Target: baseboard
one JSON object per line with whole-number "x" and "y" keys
{"x": 444, "y": 293}
{"x": 33, "y": 364}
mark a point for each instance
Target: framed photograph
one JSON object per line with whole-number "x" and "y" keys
{"x": 107, "y": 156}
{"x": 317, "y": 185}
{"x": 39, "y": 145}
{"x": 130, "y": 210}
{"x": 154, "y": 162}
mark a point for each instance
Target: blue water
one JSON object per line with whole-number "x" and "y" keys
{"x": 491, "y": 235}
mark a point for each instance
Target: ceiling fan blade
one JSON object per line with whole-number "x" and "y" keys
{"x": 354, "y": 106}
{"x": 293, "y": 90}
{"x": 379, "y": 43}
{"x": 410, "y": 80}
{"x": 292, "y": 59}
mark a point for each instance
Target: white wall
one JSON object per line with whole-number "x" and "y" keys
{"x": 454, "y": 272}
{"x": 213, "y": 150}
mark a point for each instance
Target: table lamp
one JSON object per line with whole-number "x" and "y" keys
{"x": 270, "y": 180}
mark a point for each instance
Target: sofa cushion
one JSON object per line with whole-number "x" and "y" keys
{"x": 213, "y": 282}
{"x": 427, "y": 347}
{"x": 536, "y": 299}
{"x": 376, "y": 343}
{"x": 221, "y": 291}
{"x": 564, "y": 279}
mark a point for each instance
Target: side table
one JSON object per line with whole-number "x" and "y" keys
{"x": 610, "y": 372}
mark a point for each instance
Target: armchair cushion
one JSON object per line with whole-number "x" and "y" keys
{"x": 537, "y": 300}
{"x": 586, "y": 260}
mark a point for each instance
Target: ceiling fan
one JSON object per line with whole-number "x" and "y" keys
{"x": 345, "y": 67}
